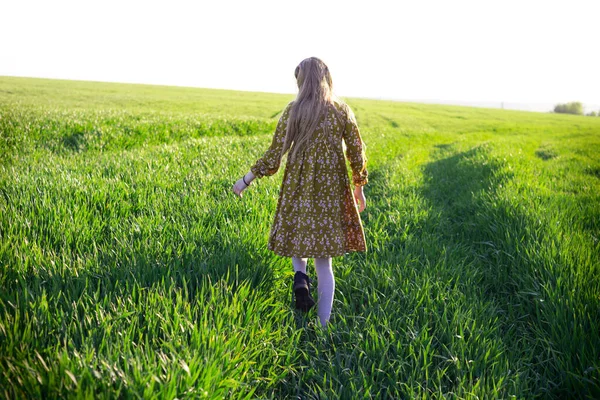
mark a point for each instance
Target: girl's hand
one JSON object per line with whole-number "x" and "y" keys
{"x": 239, "y": 187}
{"x": 359, "y": 196}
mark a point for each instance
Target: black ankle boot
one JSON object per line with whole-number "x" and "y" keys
{"x": 304, "y": 301}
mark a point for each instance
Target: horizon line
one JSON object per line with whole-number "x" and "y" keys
{"x": 496, "y": 104}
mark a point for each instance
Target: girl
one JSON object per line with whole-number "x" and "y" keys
{"x": 316, "y": 215}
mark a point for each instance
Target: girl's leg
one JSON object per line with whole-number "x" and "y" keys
{"x": 299, "y": 264}
{"x": 304, "y": 300}
{"x": 325, "y": 289}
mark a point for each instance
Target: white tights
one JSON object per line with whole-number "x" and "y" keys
{"x": 326, "y": 286}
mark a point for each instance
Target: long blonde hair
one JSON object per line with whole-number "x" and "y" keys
{"x": 315, "y": 96}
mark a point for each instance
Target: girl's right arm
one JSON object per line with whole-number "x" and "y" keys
{"x": 355, "y": 151}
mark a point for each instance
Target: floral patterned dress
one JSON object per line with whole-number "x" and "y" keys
{"x": 316, "y": 213}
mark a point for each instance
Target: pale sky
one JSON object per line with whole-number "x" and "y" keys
{"x": 486, "y": 50}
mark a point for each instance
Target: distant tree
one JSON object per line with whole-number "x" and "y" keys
{"x": 592, "y": 114}
{"x": 574, "y": 107}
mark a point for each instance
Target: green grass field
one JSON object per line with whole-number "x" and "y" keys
{"x": 128, "y": 268}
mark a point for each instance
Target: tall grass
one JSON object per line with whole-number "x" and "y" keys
{"x": 129, "y": 268}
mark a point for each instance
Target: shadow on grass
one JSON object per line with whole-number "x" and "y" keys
{"x": 509, "y": 251}
{"x": 459, "y": 187}
{"x": 455, "y": 295}
{"x": 112, "y": 272}
{"x": 125, "y": 285}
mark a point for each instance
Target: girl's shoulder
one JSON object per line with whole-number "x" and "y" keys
{"x": 288, "y": 108}
{"x": 343, "y": 109}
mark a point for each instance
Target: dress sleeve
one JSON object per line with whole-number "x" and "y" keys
{"x": 355, "y": 151}
{"x": 268, "y": 164}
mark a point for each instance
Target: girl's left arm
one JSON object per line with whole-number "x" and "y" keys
{"x": 269, "y": 163}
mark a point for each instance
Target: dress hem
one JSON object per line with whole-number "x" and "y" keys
{"x": 314, "y": 255}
